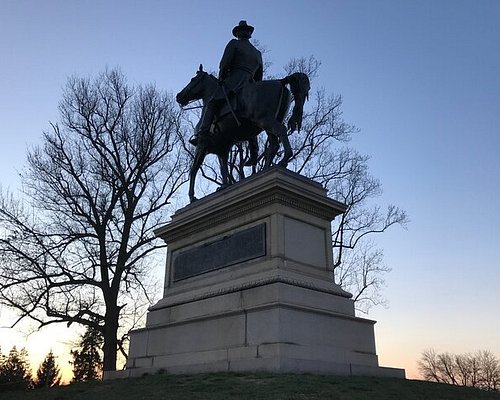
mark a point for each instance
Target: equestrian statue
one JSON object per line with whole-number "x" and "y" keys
{"x": 239, "y": 105}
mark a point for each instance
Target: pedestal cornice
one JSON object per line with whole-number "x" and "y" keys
{"x": 275, "y": 186}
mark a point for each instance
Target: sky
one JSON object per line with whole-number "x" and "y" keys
{"x": 420, "y": 79}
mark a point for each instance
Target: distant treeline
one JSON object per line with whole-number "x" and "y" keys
{"x": 481, "y": 369}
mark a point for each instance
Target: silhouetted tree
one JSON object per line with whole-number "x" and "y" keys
{"x": 481, "y": 369}
{"x": 77, "y": 249}
{"x": 428, "y": 366}
{"x": 48, "y": 373}
{"x": 362, "y": 272}
{"x": 87, "y": 361}
{"x": 15, "y": 373}
{"x": 490, "y": 367}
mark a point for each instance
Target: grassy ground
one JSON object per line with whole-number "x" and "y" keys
{"x": 255, "y": 386}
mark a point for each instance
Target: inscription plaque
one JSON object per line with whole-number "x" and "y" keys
{"x": 231, "y": 249}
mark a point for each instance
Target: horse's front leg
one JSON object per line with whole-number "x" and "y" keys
{"x": 199, "y": 156}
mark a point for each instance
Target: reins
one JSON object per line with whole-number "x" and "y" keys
{"x": 191, "y": 108}
{"x": 221, "y": 86}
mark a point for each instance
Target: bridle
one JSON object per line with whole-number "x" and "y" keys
{"x": 184, "y": 108}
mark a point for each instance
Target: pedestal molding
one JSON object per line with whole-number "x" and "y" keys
{"x": 270, "y": 305}
{"x": 276, "y": 186}
{"x": 234, "y": 211}
{"x": 249, "y": 285}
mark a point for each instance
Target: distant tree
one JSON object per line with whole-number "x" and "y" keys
{"x": 475, "y": 369}
{"x": 87, "y": 360}
{"x": 481, "y": 369}
{"x": 76, "y": 248}
{"x": 464, "y": 368}
{"x": 490, "y": 368}
{"x": 428, "y": 366}
{"x": 48, "y": 373}
{"x": 15, "y": 373}
{"x": 448, "y": 368}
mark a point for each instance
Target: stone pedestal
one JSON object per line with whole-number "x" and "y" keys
{"x": 248, "y": 287}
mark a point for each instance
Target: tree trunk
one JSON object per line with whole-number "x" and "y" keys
{"x": 110, "y": 343}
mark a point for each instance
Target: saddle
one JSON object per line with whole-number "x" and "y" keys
{"x": 234, "y": 105}
{"x": 224, "y": 108}
{"x": 227, "y": 108}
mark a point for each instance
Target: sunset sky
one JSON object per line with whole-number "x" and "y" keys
{"x": 421, "y": 79}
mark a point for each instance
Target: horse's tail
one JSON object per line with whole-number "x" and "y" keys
{"x": 299, "y": 85}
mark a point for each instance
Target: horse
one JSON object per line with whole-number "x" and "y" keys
{"x": 261, "y": 106}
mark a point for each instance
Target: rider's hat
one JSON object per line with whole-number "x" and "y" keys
{"x": 242, "y": 26}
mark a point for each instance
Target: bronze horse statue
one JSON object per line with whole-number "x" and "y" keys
{"x": 261, "y": 106}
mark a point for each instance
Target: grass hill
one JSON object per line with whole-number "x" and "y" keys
{"x": 255, "y": 386}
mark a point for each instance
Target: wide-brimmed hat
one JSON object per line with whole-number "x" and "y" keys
{"x": 242, "y": 26}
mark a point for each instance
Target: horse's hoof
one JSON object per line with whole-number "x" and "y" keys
{"x": 192, "y": 199}
{"x": 283, "y": 164}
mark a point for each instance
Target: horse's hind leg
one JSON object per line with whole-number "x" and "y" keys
{"x": 279, "y": 133}
{"x": 272, "y": 149}
{"x": 287, "y": 148}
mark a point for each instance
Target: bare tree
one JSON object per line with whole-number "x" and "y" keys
{"x": 464, "y": 367}
{"x": 75, "y": 248}
{"x": 362, "y": 272}
{"x": 475, "y": 369}
{"x": 447, "y": 368}
{"x": 428, "y": 366}
{"x": 490, "y": 368}
{"x": 481, "y": 369}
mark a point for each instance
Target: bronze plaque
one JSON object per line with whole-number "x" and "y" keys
{"x": 229, "y": 250}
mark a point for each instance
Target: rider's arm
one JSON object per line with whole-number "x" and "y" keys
{"x": 260, "y": 71}
{"x": 227, "y": 57}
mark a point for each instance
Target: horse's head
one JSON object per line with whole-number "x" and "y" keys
{"x": 195, "y": 89}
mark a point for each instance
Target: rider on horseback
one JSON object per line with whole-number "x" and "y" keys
{"x": 240, "y": 65}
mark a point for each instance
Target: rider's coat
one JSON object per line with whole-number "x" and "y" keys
{"x": 240, "y": 64}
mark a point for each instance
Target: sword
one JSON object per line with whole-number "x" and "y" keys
{"x": 229, "y": 104}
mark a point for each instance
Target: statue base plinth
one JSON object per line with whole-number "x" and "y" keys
{"x": 248, "y": 287}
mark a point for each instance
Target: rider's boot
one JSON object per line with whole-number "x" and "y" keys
{"x": 206, "y": 122}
